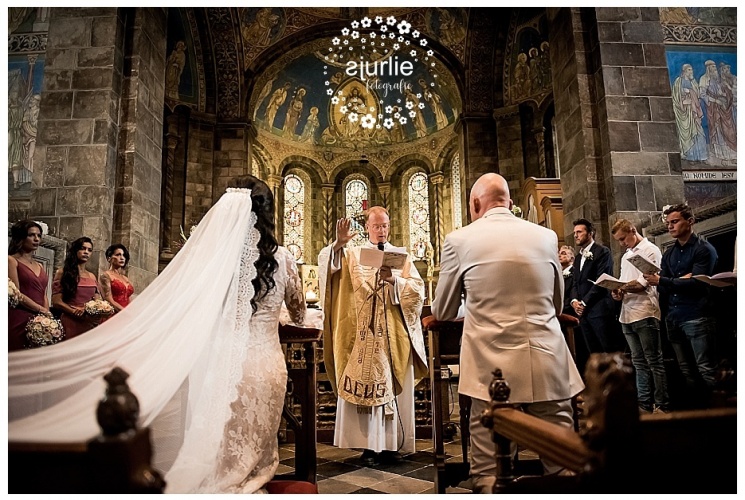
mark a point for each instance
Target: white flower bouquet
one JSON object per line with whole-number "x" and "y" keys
{"x": 14, "y": 294}
{"x": 43, "y": 330}
{"x": 98, "y": 307}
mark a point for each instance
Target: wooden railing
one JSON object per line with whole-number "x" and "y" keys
{"x": 617, "y": 451}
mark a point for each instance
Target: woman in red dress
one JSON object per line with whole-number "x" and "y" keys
{"x": 73, "y": 286}
{"x": 115, "y": 286}
{"x": 29, "y": 277}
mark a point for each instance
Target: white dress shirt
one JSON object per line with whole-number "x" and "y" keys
{"x": 637, "y": 306}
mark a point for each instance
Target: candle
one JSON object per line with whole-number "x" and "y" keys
{"x": 310, "y": 296}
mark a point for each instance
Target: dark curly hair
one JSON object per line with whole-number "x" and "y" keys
{"x": 70, "y": 270}
{"x": 113, "y": 248}
{"x": 19, "y": 232}
{"x": 263, "y": 205}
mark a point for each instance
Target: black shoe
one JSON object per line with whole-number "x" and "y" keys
{"x": 390, "y": 457}
{"x": 368, "y": 457}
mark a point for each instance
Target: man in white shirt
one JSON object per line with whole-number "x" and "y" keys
{"x": 640, "y": 318}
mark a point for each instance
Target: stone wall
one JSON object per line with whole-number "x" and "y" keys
{"x": 641, "y": 151}
{"x": 139, "y": 174}
{"x": 78, "y": 126}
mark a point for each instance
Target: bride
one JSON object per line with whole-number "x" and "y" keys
{"x": 202, "y": 350}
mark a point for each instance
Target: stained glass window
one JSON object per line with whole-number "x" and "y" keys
{"x": 294, "y": 234}
{"x": 419, "y": 215}
{"x": 356, "y": 197}
{"x": 455, "y": 182}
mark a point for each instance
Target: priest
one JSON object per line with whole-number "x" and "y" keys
{"x": 373, "y": 344}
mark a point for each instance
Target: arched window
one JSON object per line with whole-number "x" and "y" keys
{"x": 455, "y": 183}
{"x": 294, "y": 234}
{"x": 356, "y": 196}
{"x": 419, "y": 215}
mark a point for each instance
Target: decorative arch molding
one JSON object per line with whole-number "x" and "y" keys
{"x": 482, "y": 31}
{"x": 300, "y": 161}
{"x": 224, "y": 28}
{"x": 443, "y": 160}
{"x": 406, "y": 162}
{"x": 340, "y": 171}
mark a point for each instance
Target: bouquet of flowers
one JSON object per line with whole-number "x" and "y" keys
{"x": 98, "y": 307}
{"x": 43, "y": 330}
{"x": 14, "y": 294}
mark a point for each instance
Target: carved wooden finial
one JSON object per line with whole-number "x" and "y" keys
{"x": 499, "y": 389}
{"x": 119, "y": 409}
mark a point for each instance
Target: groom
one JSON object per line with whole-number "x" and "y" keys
{"x": 593, "y": 304}
{"x": 373, "y": 344}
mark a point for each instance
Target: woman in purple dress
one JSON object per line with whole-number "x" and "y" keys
{"x": 73, "y": 286}
{"x": 29, "y": 278}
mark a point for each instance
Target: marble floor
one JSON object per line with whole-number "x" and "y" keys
{"x": 341, "y": 470}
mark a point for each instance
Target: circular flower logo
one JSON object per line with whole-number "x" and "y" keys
{"x": 378, "y": 51}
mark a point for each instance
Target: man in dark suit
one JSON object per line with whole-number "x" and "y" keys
{"x": 593, "y": 304}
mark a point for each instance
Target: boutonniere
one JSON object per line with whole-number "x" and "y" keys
{"x": 567, "y": 272}
{"x": 587, "y": 254}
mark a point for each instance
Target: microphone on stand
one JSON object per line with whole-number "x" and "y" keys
{"x": 381, "y": 246}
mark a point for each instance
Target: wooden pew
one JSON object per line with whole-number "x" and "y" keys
{"x": 617, "y": 451}
{"x": 116, "y": 461}
{"x": 444, "y": 349}
{"x": 301, "y": 374}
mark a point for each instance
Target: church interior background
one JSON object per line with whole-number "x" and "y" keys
{"x": 126, "y": 124}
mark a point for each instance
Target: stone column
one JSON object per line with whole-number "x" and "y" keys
{"x": 173, "y": 139}
{"x": 538, "y": 133}
{"x": 479, "y": 146}
{"x": 232, "y": 155}
{"x": 616, "y": 134}
{"x": 329, "y": 222}
{"x": 641, "y": 151}
{"x": 78, "y": 125}
{"x": 509, "y": 140}
{"x": 139, "y": 172}
{"x": 436, "y": 180}
{"x": 274, "y": 182}
{"x": 384, "y": 188}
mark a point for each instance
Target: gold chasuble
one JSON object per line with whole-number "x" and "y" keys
{"x": 367, "y": 338}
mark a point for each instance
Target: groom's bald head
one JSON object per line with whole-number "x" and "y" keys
{"x": 489, "y": 191}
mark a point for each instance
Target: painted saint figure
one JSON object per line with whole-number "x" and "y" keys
{"x": 688, "y": 115}
{"x": 293, "y": 113}
{"x": 435, "y": 102}
{"x": 311, "y": 125}
{"x": 174, "y": 68}
{"x": 719, "y": 102}
{"x": 278, "y": 99}
{"x": 259, "y": 32}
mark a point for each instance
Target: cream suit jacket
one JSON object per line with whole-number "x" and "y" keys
{"x": 509, "y": 271}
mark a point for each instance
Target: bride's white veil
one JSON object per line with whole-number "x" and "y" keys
{"x": 182, "y": 340}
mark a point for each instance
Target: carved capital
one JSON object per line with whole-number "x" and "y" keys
{"x": 506, "y": 113}
{"x": 436, "y": 178}
{"x": 274, "y": 181}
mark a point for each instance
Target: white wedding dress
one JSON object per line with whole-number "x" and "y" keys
{"x": 209, "y": 373}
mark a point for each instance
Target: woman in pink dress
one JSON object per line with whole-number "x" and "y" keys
{"x": 29, "y": 278}
{"x": 73, "y": 286}
{"x": 115, "y": 286}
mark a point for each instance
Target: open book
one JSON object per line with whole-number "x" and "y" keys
{"x": 643, "y": 264}
{"x": 719, "y": 280}
{"x": 394, "y": 257}
{"x": 608, "y": 281}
